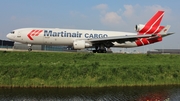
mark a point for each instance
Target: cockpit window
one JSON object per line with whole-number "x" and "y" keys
{"x": 12, "y": 32}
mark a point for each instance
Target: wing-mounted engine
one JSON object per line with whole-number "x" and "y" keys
{"x": 81, "y": 44}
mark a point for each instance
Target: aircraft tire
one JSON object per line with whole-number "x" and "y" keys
{"x": 94, "y": 51}
{"x": 30, "y": 49}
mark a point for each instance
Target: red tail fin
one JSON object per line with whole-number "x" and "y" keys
{"x": 153, "y": 25}
{"x": 156, "y": 19}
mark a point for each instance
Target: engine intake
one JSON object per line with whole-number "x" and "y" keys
{"x": 139, "y": 27}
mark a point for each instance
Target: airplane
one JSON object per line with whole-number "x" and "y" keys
{"x": 149, "y": 33}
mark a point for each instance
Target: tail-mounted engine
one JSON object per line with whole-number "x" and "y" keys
{"x": 148, "y": 29}
{"x": 139, "y": 27}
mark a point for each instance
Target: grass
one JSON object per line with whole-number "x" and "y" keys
{"x": 56, "y": 69}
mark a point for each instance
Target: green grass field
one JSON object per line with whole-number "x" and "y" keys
{"x": 58, "y": 69}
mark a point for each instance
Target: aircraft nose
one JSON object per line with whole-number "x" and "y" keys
{"x": 10, "y": 36}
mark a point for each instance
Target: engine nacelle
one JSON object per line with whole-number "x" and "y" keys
{"x": 81, "y": 44}
{"x": 139, "y": 27}
{"x": 148, "y": 29}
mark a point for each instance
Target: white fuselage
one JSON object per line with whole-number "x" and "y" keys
{"x": 56, "y": 36}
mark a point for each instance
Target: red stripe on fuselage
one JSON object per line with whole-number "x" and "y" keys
{"x": 29, "y": 35}
{"x": 38, "y": 32}
{"x": 145, "y": 41}
{"x": 138, "y": 43}
{"x": 34, "y": 33}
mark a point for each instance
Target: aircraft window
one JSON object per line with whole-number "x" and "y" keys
{"x": 12, "y": 32}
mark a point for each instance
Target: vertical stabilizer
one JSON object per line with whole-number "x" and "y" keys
{"x": 153, "y": 25}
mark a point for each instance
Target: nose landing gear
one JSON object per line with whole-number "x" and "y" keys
{"x": 30, "y": 47}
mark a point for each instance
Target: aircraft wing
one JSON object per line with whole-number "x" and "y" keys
{"x": 131, "y": 37}
{"x": 120, "y": 38}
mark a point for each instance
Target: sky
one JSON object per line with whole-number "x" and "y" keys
{"x": 116, "y": 15}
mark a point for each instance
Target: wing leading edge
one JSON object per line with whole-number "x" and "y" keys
{"x": 115, "y": 38}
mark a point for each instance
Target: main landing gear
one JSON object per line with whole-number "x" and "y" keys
{"x": 30, "y": 47}
{"x": 103, "y": 48}
{"x": 100, "y": 49}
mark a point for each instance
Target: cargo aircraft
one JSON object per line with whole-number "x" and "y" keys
{"x": 149, "y": 33}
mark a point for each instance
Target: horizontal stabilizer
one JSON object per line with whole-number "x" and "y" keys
{"x": 164, "y": 30}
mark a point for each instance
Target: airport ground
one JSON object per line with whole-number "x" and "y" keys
{"x": 64, "y": 69}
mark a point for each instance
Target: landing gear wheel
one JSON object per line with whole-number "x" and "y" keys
{"x": 102, "y": 51}
{"x": 30, "y": 49}
{"x": 94, "y": 51}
